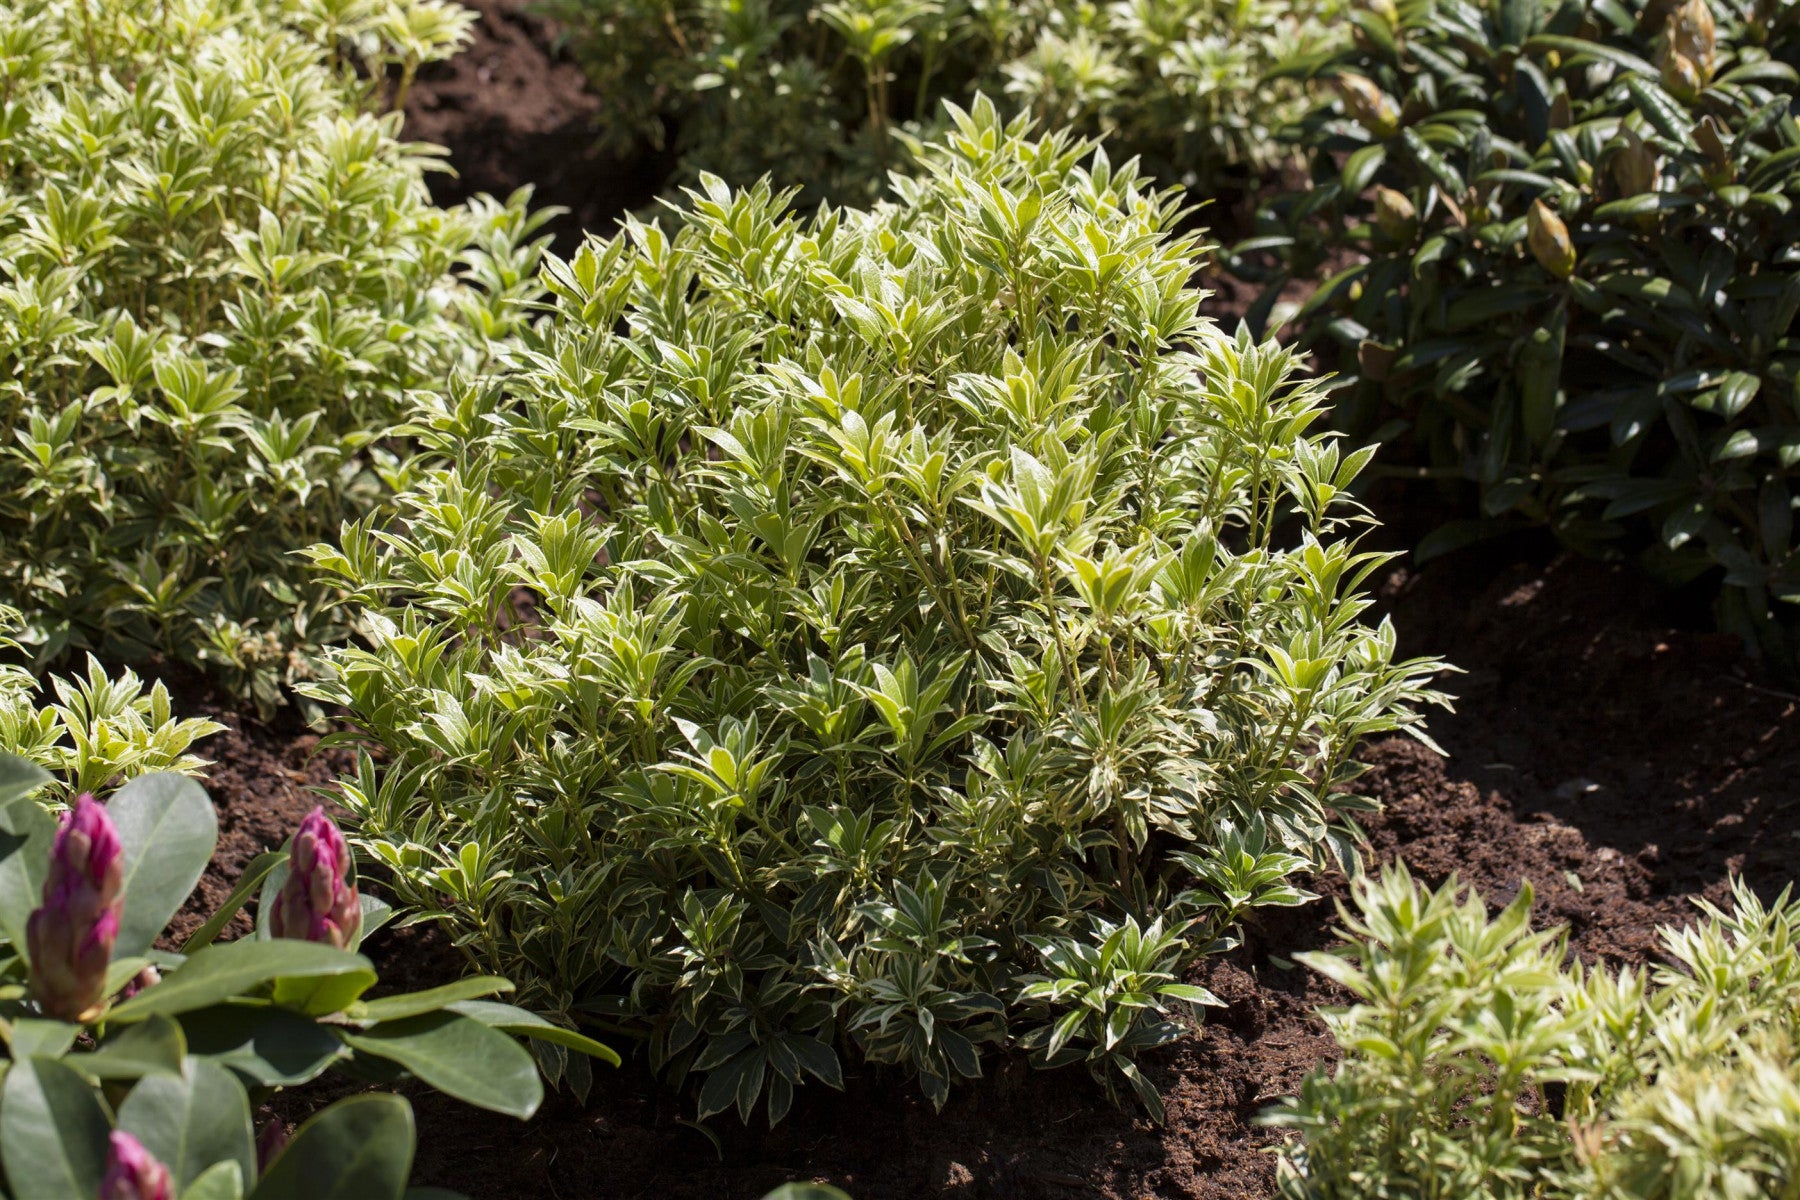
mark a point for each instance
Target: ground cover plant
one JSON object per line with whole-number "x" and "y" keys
{"x": 1562, "y": 234}
{"x": 133, "y": 1071}
{"x": 1479, "y": 1061}
{"x": 99, "y": 731}
{"x": 891, "y": 634}
{"x": 828, "y": 97}
{"x": 219, "y": 276}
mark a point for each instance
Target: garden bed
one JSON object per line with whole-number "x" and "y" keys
{"x": 1602, "y": 747}
{"x": 1620, "y": 761}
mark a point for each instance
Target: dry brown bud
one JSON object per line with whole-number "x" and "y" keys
{"x": 1634, "y": 168}
{"x": 1368, "y": 105}
{"x": 1549, "y": 239}
{"x": 1395, "y": 215}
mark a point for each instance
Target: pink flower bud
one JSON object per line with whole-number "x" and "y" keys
{"x": 271, "y": 1140}
{"x": 149, "y": 977}
{"x": 70, "y": 939}
{"x": 318, "y": 903}
{"x": 132, "y": 1172}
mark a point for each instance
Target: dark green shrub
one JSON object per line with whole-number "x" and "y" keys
{"x": 890, "y": 634}
{"x": 219, "y": 276}
{"x": 1479, "y": 1062}
{"x": 1572, "y": 280}
{"x": 827, "y": 97}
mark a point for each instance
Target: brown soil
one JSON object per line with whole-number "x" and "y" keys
{"x": 263, "y": 780}
{"x": 1601, "y": 748}
{"x": 512, "y": 109}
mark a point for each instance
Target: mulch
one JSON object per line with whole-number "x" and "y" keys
{"x": 1605, "y": 746}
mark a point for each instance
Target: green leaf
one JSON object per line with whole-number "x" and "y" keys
{"x": 248, "y": 882}
{"x": 192, "y": 1120}
{"x": 1577, "y": 51}
{"x": 1736, "y": 392}
{"x": 412, "y": 1004}
{"x": 219, "y": 973}
{"x": 358, "y": 1149}
{"x": 32, "y": 1037}
{"x": 459, "y": 1056}
{"x": 1643, "y": 205}
{"x": 26, "y": 832}
{"x": 321, "y": 995}
{"x": 168, "y": 829}
{"x": 1742, "y": 444}
{"x": 1359, "y": 170}
{"x": 806, "y": 1191}
{"x": 135, "y": 1051}
{"x": 1680, "y": 526}
{"x": 53, "y": 1132}
{"x": 1456, "y": 535}
{"x": 1191, "y": 994}
{"x": 221, "y": 1181}
{"x": 19, "y": 778}
{"x": 1665, "y": 115}
{"x": 269, "y": 1047}
{"x": 510, "y": 1019}
{"x": 1539, "y": 370}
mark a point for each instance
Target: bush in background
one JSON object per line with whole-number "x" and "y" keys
{"x": 1480, "y": 1062}
{"x": 894, "y": 634}
{"x": 1560, "y": 238}
{"x": 220, "y": 275}
{"x": 827, "y": 97}
{"x": 99, "y": 732}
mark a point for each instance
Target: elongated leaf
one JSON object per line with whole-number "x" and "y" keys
{"x": 192, "y": 1120}
{"x": 46, "y": 1039}
{"x": 156, "y": 1045}
{"x": 52, "y": 1132}
{"x": 26, "y": 832}
{"x": 511, "y": 1019}
{"x": 269, "y": 1047}
{"x": 19, "y": 778}
{"x": 168, "y": 829}
{"x": 321, "y": 995}
{"x": 376, "y": 913}
{"x": 412, "y": 1004}
{"x": 248, "y": 882}
{"x": 358, "y": 1149}
{"x": 460, "y": 1056}
{"x": 221, "y": 1181}
{"x": 218, "y": 973}
{"x": 1577, "y": 50}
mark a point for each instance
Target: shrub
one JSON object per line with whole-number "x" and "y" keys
{"x": 826, "y": 97}
{"x": 105, "y": 1029}
{"x": 1568, "y": 230}
{"x": 911, "y": 630}
{"x": 1480, "y": 1062}
{"x": 219, "y": 276}
{"x": 101, "y": 731}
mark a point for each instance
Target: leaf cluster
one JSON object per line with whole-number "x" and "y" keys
{"x": 99, "y": 732}
{"x": 1557, "y": 240}
{"x": 896, "y": 633}
{"x": 827, "y": 97}
{"x": 1480, "y": 1062}
{"x": 181, "y": 1061}
{"x": 219, "y": 276}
